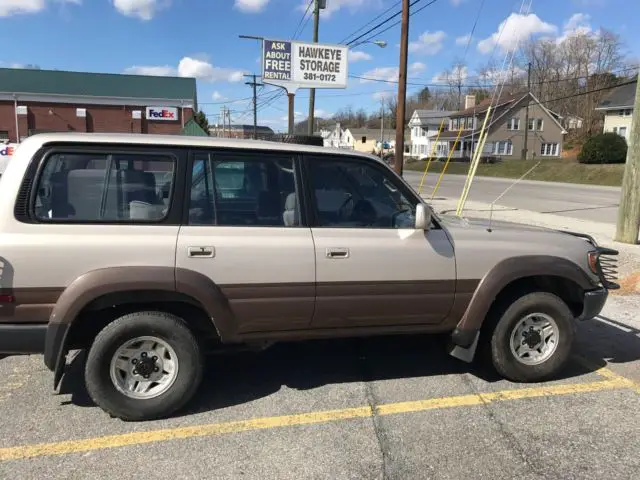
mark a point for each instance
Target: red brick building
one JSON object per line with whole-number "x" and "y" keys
{"x": 34, "y": 101}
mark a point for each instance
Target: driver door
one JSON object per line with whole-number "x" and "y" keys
{"x": 373, "y": 268}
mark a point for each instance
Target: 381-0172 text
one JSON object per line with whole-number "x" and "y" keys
{"x": 322, "y": 77}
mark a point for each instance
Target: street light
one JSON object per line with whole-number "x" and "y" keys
{"x": 380, "y": 43}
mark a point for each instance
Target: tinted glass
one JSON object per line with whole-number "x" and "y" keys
{"x": 354, "y": 194}
{"x": 105, "y": 188}
{"x": 243, "y": 192}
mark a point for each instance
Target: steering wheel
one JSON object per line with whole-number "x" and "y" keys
{"x": 341, "y": 212}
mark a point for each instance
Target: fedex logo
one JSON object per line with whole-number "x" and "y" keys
{"x": 7, "y": 151}
{"x": 162, "y": 113}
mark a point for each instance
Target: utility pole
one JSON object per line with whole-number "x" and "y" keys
{"x": 526, "y": 116}
{"x": 402, "y": 88}
{"x": 254, "y": 84}
{"x": 312, "y": 91}
{"x": 291, "y": 111}
{"x": 629, "y": 210}
{"x": 224, "y": 124}
{"x": 381, "y": 128}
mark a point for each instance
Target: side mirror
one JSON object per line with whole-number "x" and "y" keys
{"x": 423, "y": 216}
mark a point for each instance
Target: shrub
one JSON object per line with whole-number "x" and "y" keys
{"x": 604, "y": 148}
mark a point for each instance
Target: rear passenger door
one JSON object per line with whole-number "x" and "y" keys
{"x": 243, "y": 229}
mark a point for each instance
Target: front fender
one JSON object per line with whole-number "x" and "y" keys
{"x": 504, "y": 273}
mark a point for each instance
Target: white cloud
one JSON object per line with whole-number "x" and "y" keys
{"x": 355, "y": 56}
{"x": 189, "y": 67}
{"x": 218, "y": 96}
{"x": 142, "y": 9}
{"x": 320, "y": 113}
{"x": 458, "y": 73}
{"x": 463, "y": 40}
{"x": 16, "y": 7}
{"x": 203, "y": 70}
{"x": 578, "y": 24}
{"x": 417, "y": 67}
{"x": 383, "y": 95}
{"x": 381, "y": 73}
{"x": 515, "y": 28}
{"x": 429, "y": 43}
{"x": 251, "y": 6}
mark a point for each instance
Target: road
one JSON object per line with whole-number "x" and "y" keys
{"x": 379, "y": 408}
{"x": 585, "y": 202}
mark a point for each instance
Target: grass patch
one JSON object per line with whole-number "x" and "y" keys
{"x": 548, "y": 171}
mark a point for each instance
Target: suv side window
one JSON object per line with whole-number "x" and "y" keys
{"x": 108, "y": 188}
{"x": 242, "y": 190}
{"x": 353, "y": 194}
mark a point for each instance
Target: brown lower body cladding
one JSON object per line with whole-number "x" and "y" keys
{"x": 275, "y": 309}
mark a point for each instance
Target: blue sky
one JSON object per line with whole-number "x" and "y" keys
{"x": 200, "y": 38}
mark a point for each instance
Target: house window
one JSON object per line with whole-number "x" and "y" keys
{"x": 549, "y": 149}
{"x": 535, "y": 124}
{"x": 513, "y": 124}
{"x": 622, "y": 131}
{"x": 625, "y": 113}
{"x": 539, "y": 124}
{"x": 4, "y": 135}
{"x": 504, "y": 148}
{"x": 364, "y": 139}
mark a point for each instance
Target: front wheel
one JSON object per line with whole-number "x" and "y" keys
{"x": 143, "y": 366}
{"x": 533, "y": 338}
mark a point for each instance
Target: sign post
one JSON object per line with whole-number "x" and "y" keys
{"x": 294, "y": 65}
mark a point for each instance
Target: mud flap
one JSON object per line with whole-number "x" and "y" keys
{"x": 465, "y": 354}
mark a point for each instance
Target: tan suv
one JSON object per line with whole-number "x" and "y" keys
{"x": 148, "y": 251}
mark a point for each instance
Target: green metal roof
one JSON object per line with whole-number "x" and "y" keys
{"x": 192, "y": 128}
{"x": 58, "y": 82}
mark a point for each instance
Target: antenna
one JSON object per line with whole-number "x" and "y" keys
{"x": 506, "y": 190}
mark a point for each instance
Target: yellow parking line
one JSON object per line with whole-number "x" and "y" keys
{"x": 609, "y": 374}
{"x": 138, "y": 438}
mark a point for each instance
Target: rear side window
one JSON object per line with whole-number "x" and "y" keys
{"x": 243, "y": 191}
{"x": 107, "y": 188}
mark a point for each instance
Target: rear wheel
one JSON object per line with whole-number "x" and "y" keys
{"x": 533, "y": 338}
{"x": 143, "y": 366}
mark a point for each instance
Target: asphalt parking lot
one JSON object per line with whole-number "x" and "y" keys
{"x": 383, "y": 408}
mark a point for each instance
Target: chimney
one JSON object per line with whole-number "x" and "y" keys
{"x": 469, "y": 101}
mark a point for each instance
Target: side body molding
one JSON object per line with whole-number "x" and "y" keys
{"x": 96, "y": 283}
{"x": 501, "y": 275}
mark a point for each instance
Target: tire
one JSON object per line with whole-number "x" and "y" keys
{"x": 532, "y": 367}
{"x": 105, "y": 383}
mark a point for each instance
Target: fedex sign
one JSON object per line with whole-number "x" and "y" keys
{"x": 165, "y": 114}
{"x": 6, "y": 152}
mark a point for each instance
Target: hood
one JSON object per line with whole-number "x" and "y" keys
{"x": 473, "y": 223}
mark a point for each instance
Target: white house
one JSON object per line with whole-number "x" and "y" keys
{"x": 424, "y": 125}
{"x": 336, "y": 137}
{"x": 618, "y": 110}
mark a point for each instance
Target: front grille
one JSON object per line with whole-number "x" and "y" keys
{"x": 608, "y": 268}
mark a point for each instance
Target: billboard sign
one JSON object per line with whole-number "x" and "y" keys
{"x": 164, "y": 114}
{"x": 296, "y": 65}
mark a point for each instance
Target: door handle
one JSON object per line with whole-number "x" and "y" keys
{"x": 337, "y": 253}
{"x": 201, "y": 252}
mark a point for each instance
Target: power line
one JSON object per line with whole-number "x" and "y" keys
{"x": 387, "y": 20}
{"x": 370, "y": 21}
{"x": 295, "y": 34}
{"x": 378, "y": 33}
